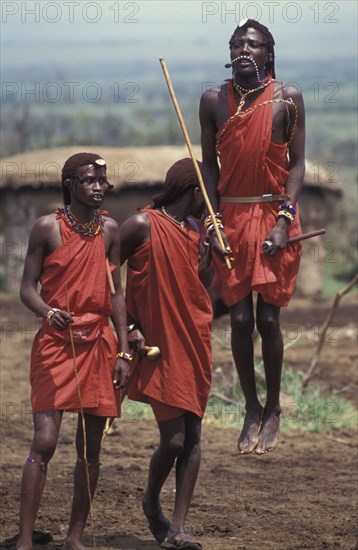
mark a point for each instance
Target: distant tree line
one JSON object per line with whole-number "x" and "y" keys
{"x": 25, "y": 128}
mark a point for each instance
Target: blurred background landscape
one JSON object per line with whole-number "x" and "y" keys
{"x": 88, "y": 73}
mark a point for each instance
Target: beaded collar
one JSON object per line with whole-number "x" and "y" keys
{"x": 243, "y": 96}
{"x": 239, "y": 112}
{"x": 90, "y": 229}
{"x": 181, "y": 223}
{"x": 244, "y": 91}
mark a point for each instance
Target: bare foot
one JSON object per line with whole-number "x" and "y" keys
{"x": 180, "y": 539}
{"x": 269, "y": 432}
{"x": 73, "y": 545}
{"x": 23, "y": 545}
{"x": 37, "y": 537}
{"x": 250, "y": 431}
{"x": 157, "y": 522}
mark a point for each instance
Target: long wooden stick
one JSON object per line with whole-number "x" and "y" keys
{"x": 305, "y": 236}
{"x": 326, "y": 324}
{"x": 191, "y": 152}
{"x": 267, "y": 245}
{"x": 83, "y": 422}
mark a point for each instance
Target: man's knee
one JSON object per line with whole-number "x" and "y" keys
{"x": 268, "y": 325}
{"x": 192, "y": 444}
{"x": 174, "y": 445}
{"x": 94, "y": 434}
{"x": 44, "y": 446}
{"x": 242, "y": 322}
{"x": 92, "y": 455}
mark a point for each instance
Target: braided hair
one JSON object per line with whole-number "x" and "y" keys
{"x": 180, "y": 177}
{"x": 269, "y": 42}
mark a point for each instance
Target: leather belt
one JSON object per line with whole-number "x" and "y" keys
{"x": 263, "y": 198}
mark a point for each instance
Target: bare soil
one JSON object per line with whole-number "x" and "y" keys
{"x": 303, "y": 495}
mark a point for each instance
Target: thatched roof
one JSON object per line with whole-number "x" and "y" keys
{"x": 322, "y": 176}
{"x": 126, "y": 167}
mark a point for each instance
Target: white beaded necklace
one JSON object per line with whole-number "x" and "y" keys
{"x": 246, "y": 91}
{"x": 248, "y": 58}
{"x": 181, "y": 223}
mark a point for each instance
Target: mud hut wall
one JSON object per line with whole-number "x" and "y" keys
{"x": 313, "y": 215}
{"x": 19, "y": 212}
{"x": 125, "y": 202}
{"x": 21, "y": 208}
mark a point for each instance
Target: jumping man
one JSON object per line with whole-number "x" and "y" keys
{"x": 255, "y": 125}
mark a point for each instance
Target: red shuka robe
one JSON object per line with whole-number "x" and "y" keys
{"x": 164, "y": 293}
{"x": 252, "y": 165}
{"x": 79, "y": 262}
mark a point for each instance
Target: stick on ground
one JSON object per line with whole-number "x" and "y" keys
{"x": 326, "y": 324}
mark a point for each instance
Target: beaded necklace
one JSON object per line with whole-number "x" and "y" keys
{"x": 91, "y": 228}
{"x": 239, "y": 112}
{"x": 248, "y": 58}
{"x": 244, "y": 93}
{"x": 181, "y": 223}
{"x": 288, "y": 101}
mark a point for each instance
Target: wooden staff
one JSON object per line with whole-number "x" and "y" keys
{"x": 196, "y": 166}
{"x": 267, "y": 245}
{"x": 305, "y": 236}
{"x": 83, "y": 421}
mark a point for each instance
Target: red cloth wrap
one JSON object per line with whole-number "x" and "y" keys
{"x": 79, "y": 262}
{"x": 163, "y": 412}
{"x": 164, "y": 293}
{"x": 251, "y": 165}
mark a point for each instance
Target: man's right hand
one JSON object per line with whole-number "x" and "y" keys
{"x": 61, "y": 320}
{"x": 218, "y": 249}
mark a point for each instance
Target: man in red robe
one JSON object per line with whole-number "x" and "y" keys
{"x": 169, "y": 307}
{"x": 256, "y": 126}
{"x": 67, "y": 254}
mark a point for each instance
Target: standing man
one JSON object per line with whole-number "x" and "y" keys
{"x": 255, "y": 124}
{"x": 169, "y": 307}
{"x": 67, "y": 254}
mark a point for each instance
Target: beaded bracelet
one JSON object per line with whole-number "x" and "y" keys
{"x": 124, "y": 355}
{"x": 211, "y": 228}
{"x": 50, "y": 314}
{"x": 208, "y": 220}
{"x": 285, "y": 214}
{"x": 288, "y": 207}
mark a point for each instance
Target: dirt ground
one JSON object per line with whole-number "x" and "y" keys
{"x": 303, "y": 495}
